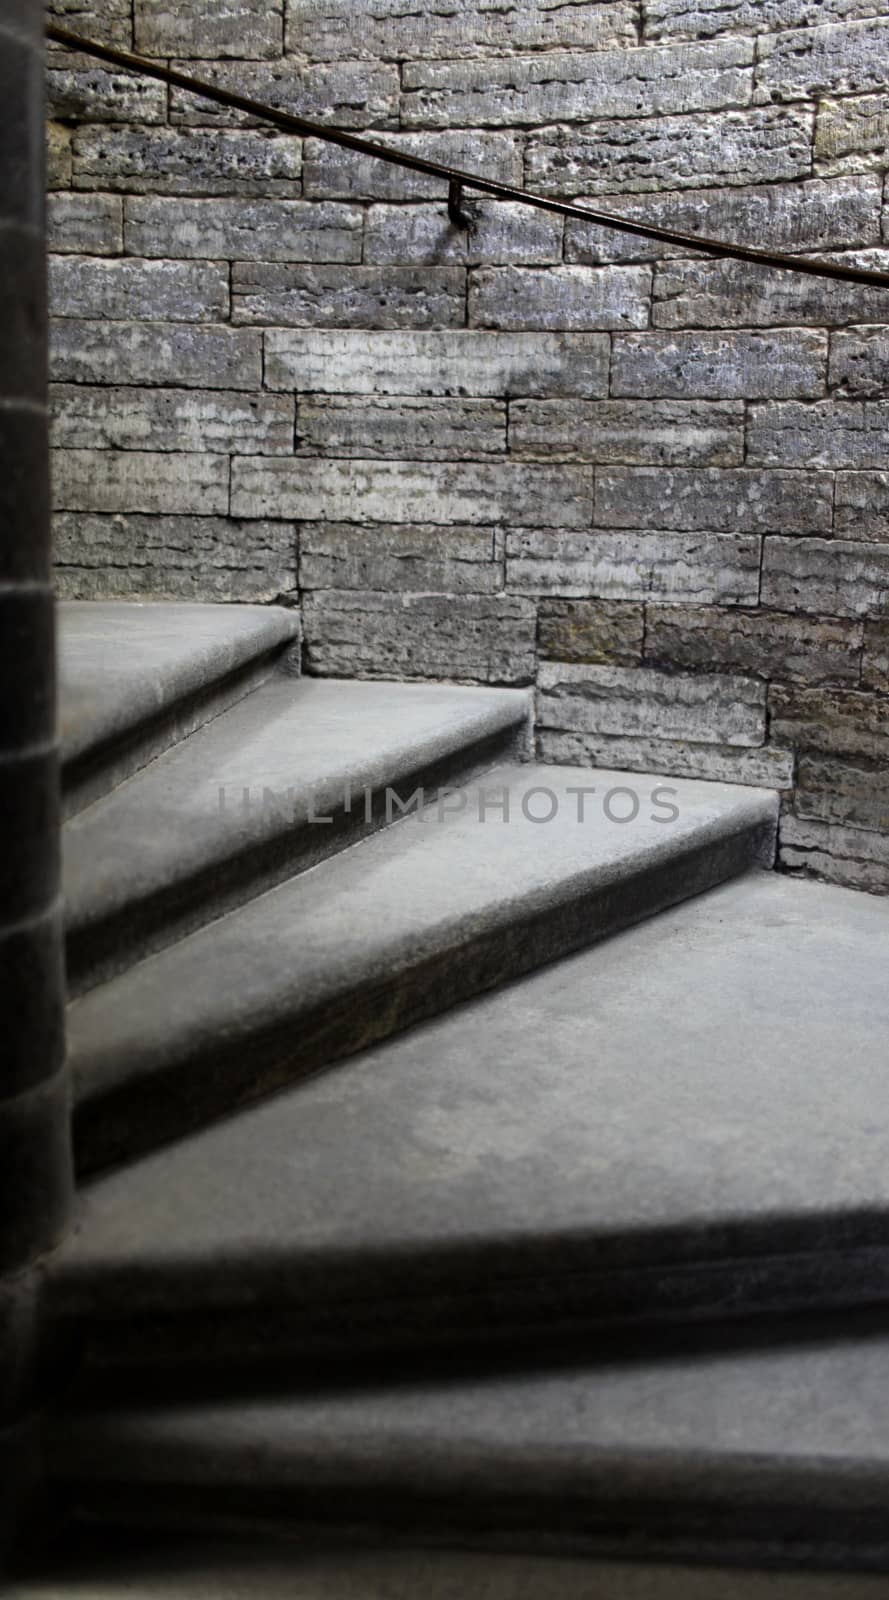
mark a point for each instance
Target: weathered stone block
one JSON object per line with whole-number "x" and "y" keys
{"x": 861, "y": 506}
{"x": 647, "y": 432}
{"x": 332, "y": 174}
{"x": 403, "y": 491}
{"x": 109, "y": 21}
{"x": 411, "y": 429}
{"x": 574, "y": 87}
{"x": 438, "y": 363}
{"x": 501, "y": 232}
{"x": 180, "y": 558}
{"x": 679, "y": 152}
{"x": 830, "y": 433}
{"x": 58, "y": 156}
{"x": 765, "y": 766}
{"x": 785, "y": 363}
{"x": 841, "y": 58}
{"x": 488, "y": 638}
{"x": 180, "y": 161}
{"x": 413, "y": 557}
{"x": 851, "y": 134}
{"x": 830, "y": 577}
{"x": 736, "y": 294}
{"x": 153, "y": 291}
{"x": 348, "y": 297}
{"x": 345, "y": 94}
{"x": 716, "y": 500}
{"x": 147, "y": 352}
{"x": 634, "y": 703}
{"x": 572, "y": 298}
{"x": 79, "y": 89}
{"x": 854, "y": 857}
{"x": 84, "y": 224}
{"x": 859, "y": 361}
{"x": 843, "y": 722}
{"x": 841, "y": 791}
{"x": 821, "y": 214}
{"x": 634, "y": 566}
{"x": 609, "y": 632}
{"x": 205, "y": 30}
{"x": 249, "y": 230}
{"x": 875, "y": 665}
{"x": 139, "y": 480}
{"x": 171, "y": 419}
{"x": 763, "y": 643}
{"x": 698, "y": 19}
{"x": 451, "y": 28}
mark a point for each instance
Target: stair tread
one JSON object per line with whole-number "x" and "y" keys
{"x": 304, "y": 741}
{"x": 688, "y": 1118}
{"x": 124, "y": 662}
{"x": 775, "y": 1449}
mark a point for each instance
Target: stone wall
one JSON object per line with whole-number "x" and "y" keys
{"x": 657, "y": 485}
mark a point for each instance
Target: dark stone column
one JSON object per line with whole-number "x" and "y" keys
{"x": 35, "y": 1166}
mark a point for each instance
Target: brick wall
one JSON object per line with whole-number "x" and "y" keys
{"x": 658, "y": 485}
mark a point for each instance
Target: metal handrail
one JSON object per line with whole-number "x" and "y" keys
{"x": 456, "y": 180}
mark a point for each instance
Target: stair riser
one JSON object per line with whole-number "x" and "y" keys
{"x": 100, "y": 951}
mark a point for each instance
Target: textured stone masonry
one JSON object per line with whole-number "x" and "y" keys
{"x": 424, "y": 430}
{"x": 635, "y": 566}
{"x": 278, "y": 294}
{"x": 775, "y": 365}
{"x": 498, "y": 364}
{"x": 187, "y": 161}
{"x": 828, "y": 577}
{"x": 174, "y": 557}
{"x": 852, "y": 134}
{"x": 627, "y": 702}
{"x": 411, "y": 557}
{"x": 155, "y": 291}
{"x": 638, "y": 432}
{"x": 449, "y": 29}
{"x": 730, "y": 501}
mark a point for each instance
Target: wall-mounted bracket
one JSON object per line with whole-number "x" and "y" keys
{"x": 458, "y": 216}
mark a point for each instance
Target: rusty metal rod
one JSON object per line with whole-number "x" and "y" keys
{"x": 453, "y": 177}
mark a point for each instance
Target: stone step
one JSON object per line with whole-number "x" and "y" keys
{"x": 235, "y": 808}
{"x": 409, "y": 922}
{"x": 685, "y": 1123}
{"x": 135, "y": 677}
{"x": 759, "y": 1454}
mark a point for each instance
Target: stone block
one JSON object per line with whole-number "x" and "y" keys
{"x": 859, "y": 361}
{"x": 705, "y": 567}
{"x": 80, "y": 89}
{"x": 763, "y": 767}
{"x": 343, "y": 94}
{"x": 609, "y": 632}
{"x": 680, "y": 152}
{"x": 488, "y": 638}
{"x": 830, "y": 433}
{"x": 851, "y": 134}
{"x": 413, "y": 557}
{"x": 716, "y": 500}
{"x": 536, "y": 89}
{"x": 828, "y": 577}
{"x": 762, "y": 643}
{"x": 571, "y": 298}
{"x": 389, "y": 29}
{"x": 786, "y": 363}
{"x": 501, "y": 232}
{"x": 206, "y": 30}
{"x": 635, "y": 703}
{"x": 641, "y": 432}
{"x": 139, "y": 480}
{"x": 406, "y": 429}
{"x": 820, "y": 214}
{"x": 58, "y": 156}
{"x": 402, "y": 491}
{"x": 153, "y": 291}
{"x": 470, "y": 362}
{"x": 840, "y": 58}
{"x": 737, "y": 294}
{"x": 173, "y": 557}
{"x": 875, "y": 664}
{"x": 348, "y": 297}
{"x": 841, "y": 791}
{"x": 108, "y": 418}
{"x": 109, "y": 21}
{"x": 333, "y": 174}
{"x": 839, "y": 722}
{"x": 148, "y": 353}
{"x": 700, "y": 19}
{"x": 854, "y": 857}
{"x": 861, "y": 506}
{"x": 84, "y": 224}
{"x": 247, "y": 230}
{"x": 183, "y": 161}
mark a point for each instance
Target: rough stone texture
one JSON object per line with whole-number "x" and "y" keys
{"x": 843, "y": 791}
{"x": 419, "y": 636}
{"x": 767, "y": 766}
{"x": 844, "y": 722}
{"x": 634, "y": 703}
{"x": 854, "y": 857}
{"x": 671, "y": 461}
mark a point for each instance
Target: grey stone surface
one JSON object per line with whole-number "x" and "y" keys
{"x": 345, "y": 93}
{"x": 766, "y": 766}
{"x": 470, "y": 362}
{"x": 638, "y": 432}
{"x": 244, "y": 229}
{"x": 416, "y": 918}
{"x": 701, "y": 567}
{"x": 85, "y": 224}
{"x": 770, "y": 644}
{"x": 418, "y": 558}
{"x": 833, "y": 577}
{"x": 607, "y": 631}
{"x": 389, "y": 28}
{"x": 481, "y": 636}
{"x": 669, "y": 19}
{"x": 135, "y": 419}
{"x": 186, "y": 161}
{"x": 80, "y": 89}
{"x": 840, "y": 58}
{"x": 58, "y": 156}
{"x": 420, "y": 429}
{"x": 875, "y": 665}
{"x": 103, "y": 557}
{"x": 111, "y": 21}
{"x": 153, "y": 291}
{"x": 711, "y": 498}
{"x": 200, "y": 357}
{"x": 854, "y": 857}
{"x": 858, "y": 361}
{"x": 140, "y": 480}
{"x": 845, "y": 722}
{"x": 861, "y": 506}
{"x": 576, "y": 298}
{"x": 737, "y": 294}
{"x": 831, "y": 433}
{"x": 501, "y": 232}
{"x": 851, "y": 133}
{"x": 333, "y": 174}
{"x": 843, "y": 791}
{"x": 348, "y": 296}
{"x": 630, "y": 703}
{"x": 774, "y": 365}
{"x": 205, "y": 30}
